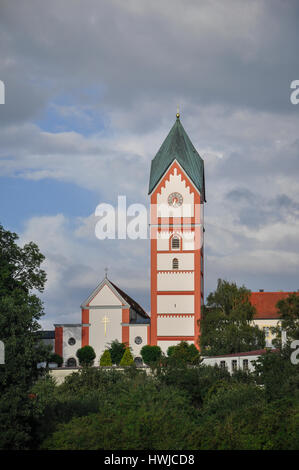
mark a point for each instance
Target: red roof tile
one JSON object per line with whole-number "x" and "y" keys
{"x": 265, "y": 303}
{"x": 257, "y": 352}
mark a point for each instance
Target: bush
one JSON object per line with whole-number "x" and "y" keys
{"x": 56, "y": 358}
{"x": 146, "y": 426}
{"x": 151, "y": 355}
{"x": 184, "y": 352}
{"x": 127, "y": 359}
{"x": 196, "y": 381}
{"x": 237, "y": 417}
{"x": 117, "y": 351}
{"x": 276, "y": 373}
{"x": 105, "y": 359}
{"x": 86, "y": 356}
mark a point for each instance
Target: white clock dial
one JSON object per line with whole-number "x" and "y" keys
{"x": 175, "y": 199}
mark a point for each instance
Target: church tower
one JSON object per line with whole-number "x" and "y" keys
{"x": 177, "y": 196}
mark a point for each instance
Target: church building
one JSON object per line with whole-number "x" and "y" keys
{"x": 177, "y": 197}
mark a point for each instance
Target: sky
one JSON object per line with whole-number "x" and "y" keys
{"x": 91, "y": 92}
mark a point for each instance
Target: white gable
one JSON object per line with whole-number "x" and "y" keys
{"x": 105, "y": 296}
{"x": 174, "y": 184}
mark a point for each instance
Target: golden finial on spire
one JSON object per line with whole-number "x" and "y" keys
{"x": 177, "y": 112}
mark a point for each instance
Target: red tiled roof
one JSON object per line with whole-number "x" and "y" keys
{"x": 258, "y": 352}
{"x": 265, "y": 303}
{"x": 131, "y": 302}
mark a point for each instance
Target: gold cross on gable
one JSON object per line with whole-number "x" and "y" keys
{"x": 105, "y": 320}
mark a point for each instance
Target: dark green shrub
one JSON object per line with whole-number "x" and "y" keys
{"x": 56, "y": 358}
{"x": 151, "y": 355}
{"x": 184, "y": 352}
{"x": 86, "y": 356}
{"x": 117, "y": 351}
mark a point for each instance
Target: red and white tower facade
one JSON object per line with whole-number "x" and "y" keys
{"x": 177, "y": 196}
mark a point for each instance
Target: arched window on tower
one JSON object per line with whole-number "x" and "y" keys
{"x": 175, "y": 263}
{"x": 175, "y": 243}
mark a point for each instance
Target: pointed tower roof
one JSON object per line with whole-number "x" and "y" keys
{"x": 178, "y": 146}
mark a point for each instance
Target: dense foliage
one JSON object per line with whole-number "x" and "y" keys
{"x": 289, "y": 313}
{"x": 226, "y": 322}
{"x": 180, "y": 407}
{"x": 184, "y": 352}
{"x": 20, "y": 311}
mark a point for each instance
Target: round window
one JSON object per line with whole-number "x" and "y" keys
{"x": 138, "y": 340}
{"x": 72, "y": 341}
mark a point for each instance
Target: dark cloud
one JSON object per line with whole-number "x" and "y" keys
{"x": 228, "y": 64}
{"x": 254, "y": 211}
{"x": 238, "y": 55}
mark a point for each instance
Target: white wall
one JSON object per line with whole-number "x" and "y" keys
{"x": 137, "y": 330}
{"x": 267, "y": 323}
{"x": 177, "y": 281}
{"x": 164, "y": 261}
{"x": 97, "y": 338}
{"x": 175, "y": 184}
{"x": 186, "y": 236}
{"x": 105, "y": 297}
{"x": 69, "y": 351}
{"x": 212, "y": 361}
{"x": 164, "y": 345}
{"x": 175, "y": 326}
{"x": 175, "y": 303}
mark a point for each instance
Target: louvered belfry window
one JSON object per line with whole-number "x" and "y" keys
{"x": 175, "y": 263}
{"x": 175, "y": 243}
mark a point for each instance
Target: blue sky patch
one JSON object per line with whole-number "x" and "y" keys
{"x": 21, "y": 199}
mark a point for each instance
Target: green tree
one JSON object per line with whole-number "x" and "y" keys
{"x": 226, "y": 325}
{"x": 288, "y": 310}
{"x": 151, "y": 355}
{"x": 117, "y": 350}
{"x": 120, "y": 424}
{"x": 86, "y": 356}
{"x": 275, "y": 371}
{"x": 232, "y": 301}
{"x": 184, "y": 352}
{"x": 20, "y": 310}
{"x": 127, "y": 359}
{"x": 105, "y": 359}
{"x": 196, "y": 381}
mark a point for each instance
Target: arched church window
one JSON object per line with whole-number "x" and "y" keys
{"x": 138, "y": 361}
{"x": 175, "y": 263}
{"x": 175, "y": 243}
{"x": 72, "y": 341}
{"x": 71, "y": 362}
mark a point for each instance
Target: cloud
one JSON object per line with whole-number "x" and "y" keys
{"x": 92, "y": 90}
{"x": 76, "y": 260}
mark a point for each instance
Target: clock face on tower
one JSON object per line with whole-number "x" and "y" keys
{"x": 175, "y": 199}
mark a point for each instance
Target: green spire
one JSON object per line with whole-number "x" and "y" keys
{"x": 178, "y": 146}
